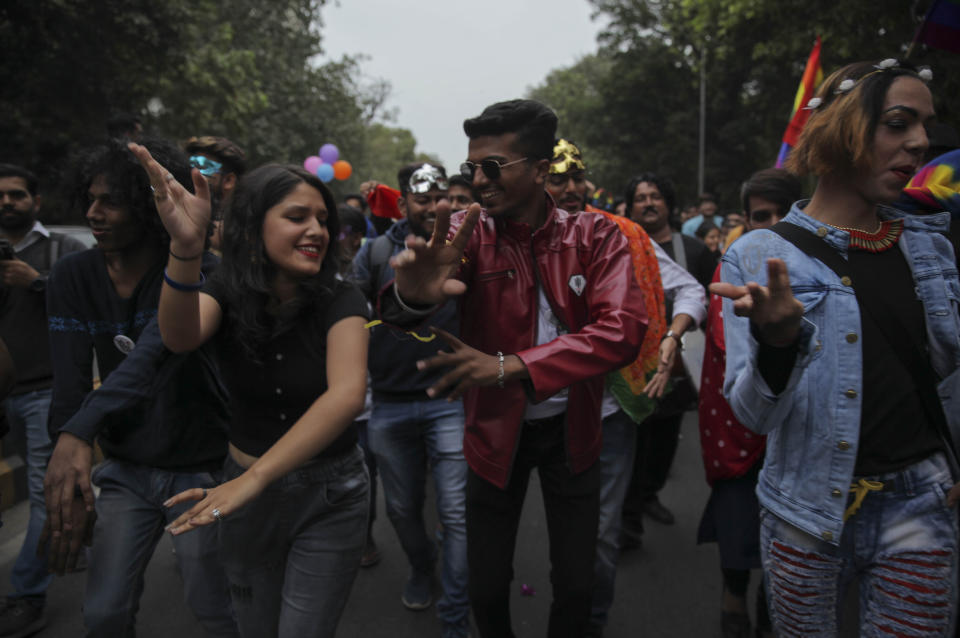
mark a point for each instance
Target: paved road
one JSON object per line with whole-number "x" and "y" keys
{"x": 671, "y": 587}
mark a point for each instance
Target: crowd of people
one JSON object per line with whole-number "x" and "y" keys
{"x": 251, "y": 356}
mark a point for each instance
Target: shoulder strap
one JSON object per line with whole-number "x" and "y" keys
{"x": 380, "y": 253}
{"x": 872, "y": 300}
{"x": 679, "y": 251}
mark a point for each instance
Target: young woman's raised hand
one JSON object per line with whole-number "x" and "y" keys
{"x": 425, "y": 269}
{"x": 184, "y": 215}
{"x": 772, "y": 308}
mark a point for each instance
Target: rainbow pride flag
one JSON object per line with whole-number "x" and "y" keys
{"x": 812, "y": 77}
{"x": 941, "y": 26}
{"x": 935, "y": 187}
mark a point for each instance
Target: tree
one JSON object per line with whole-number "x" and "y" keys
{"x": 242, "y": 69}
{"x": 640, "y": 99}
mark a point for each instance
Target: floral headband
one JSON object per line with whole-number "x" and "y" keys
{"x": 924, "y": 73}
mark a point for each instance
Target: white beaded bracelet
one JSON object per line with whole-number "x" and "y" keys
{"x": 500, "y": 371}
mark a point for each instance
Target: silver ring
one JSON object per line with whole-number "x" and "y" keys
{"x": 204, "y": 492}
{"x": 216, "y": 513}
{"x": 168, "y": 177}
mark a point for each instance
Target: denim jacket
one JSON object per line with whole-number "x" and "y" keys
{"x": 813, "y": 425}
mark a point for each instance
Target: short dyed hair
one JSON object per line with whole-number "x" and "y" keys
{"x": 12, "y": 170}
{"x": 839, "y": 134}
{"x": 534, "y": 123}
{"x": 779, "y": 186}
{"x": 221, "y": 149}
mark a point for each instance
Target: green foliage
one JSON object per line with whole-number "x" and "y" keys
{"x": 634, "y": 105}
{"x": 243, "y": 69}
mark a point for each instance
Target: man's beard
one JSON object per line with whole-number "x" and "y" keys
{"x": 13, "y": 220}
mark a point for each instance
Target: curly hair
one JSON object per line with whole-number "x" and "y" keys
{"x": 663, "y": 184}
{"x": 129, "y": 183}
{"x": 248, "y": 274}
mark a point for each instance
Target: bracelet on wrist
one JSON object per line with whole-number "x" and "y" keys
{"x": 673, "y": 335}
{"x": 500, "y": 373}
{"x": 182, "y": 287}
{"x": 191, "y": 258}
{"x": 406, "y": 308}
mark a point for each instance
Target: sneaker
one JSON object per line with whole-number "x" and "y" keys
{"x": 20, "y": 618}
{"x": 418, "y": 592}
{"x": 371, "y": 553}
{"x": 654, "y": 509}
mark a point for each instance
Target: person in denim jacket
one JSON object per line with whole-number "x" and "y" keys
{"x": 856, "y": 480}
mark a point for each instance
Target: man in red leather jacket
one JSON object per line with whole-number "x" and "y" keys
{"x": 549, "y": 305}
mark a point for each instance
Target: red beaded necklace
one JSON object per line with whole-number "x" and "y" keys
{"x": 879, "y": 240}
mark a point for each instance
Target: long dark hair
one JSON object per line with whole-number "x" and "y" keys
{"x": 254, "y": 314}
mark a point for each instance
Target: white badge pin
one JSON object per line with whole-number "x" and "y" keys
{"x": 124, "y": 344}
{"x": 577, "y": 284}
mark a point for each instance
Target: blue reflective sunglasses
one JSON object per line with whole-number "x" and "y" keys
{"x": 206, "y": 166}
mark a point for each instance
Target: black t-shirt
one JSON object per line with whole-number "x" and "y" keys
{"x": 269, "y": 393}
{"x": 894, "y": 429}
{"x": 701, "y": 261}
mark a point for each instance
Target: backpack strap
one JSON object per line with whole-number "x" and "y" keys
{"x": 380, "y": 253}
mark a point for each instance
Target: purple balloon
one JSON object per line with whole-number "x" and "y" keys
{"x": 329, "y": 153}
{"x": 325, "y": 172}
{"x": 312, "y": 163}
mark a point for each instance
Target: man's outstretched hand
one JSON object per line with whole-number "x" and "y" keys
{"x": 469, "y": 368}
{"x": 425, "y": 269}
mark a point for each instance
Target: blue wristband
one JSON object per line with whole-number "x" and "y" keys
{"x": 176, "y": 285}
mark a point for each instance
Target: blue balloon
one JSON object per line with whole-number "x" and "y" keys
{"x": 325, "y": 172}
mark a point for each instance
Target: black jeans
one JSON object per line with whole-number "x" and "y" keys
{"x": 657, "y": 441}
{"x": 572, "y": 504}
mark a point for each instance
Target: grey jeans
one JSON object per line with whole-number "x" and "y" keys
{"x": 291, "y": 555}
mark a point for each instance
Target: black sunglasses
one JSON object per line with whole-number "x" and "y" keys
{"x": 490, "y": 167}
{"x": 761, "y": 216}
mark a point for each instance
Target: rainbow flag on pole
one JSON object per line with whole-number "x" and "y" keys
{"x": 941, "y": 26}
{"x": 812, "y": 77}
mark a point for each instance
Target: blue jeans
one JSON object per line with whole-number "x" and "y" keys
{"x": 616, "y": 470}
{"x": 130, "y": 521}
{"x": 902, "y": 543}
{"x": 30, "y": 577}
{"x": 292, "y": 554}
{"x": 407, "y": 438}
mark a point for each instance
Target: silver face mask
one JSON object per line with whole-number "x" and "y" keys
{"x": 425, "y": 178}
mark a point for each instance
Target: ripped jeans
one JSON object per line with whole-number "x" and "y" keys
{"x": 902, "y": 543}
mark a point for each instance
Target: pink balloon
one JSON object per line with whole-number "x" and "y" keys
{"x": 312, "y": 163}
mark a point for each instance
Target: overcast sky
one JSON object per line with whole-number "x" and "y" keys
{"x": 448, "y": 59}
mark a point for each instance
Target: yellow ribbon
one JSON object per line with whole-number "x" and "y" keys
{"x": 860, "y": 489}
{"x": 377, "y": 322}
